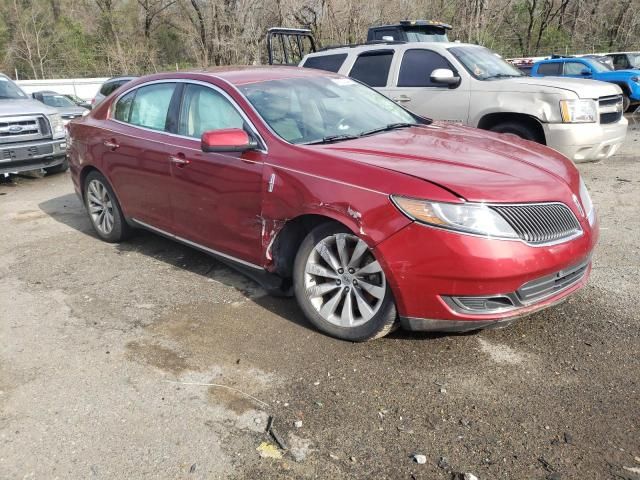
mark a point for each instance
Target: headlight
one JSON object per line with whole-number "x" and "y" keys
{"x": 578, "y": 111}
{"x": 473, "y": 218}
{"x": 635, "y": 79}
{"x": 587, "y": 204}
{"x": 57, "y": 125}
{"x": 86, "y": 112}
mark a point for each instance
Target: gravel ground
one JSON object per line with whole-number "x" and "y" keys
{"x": 105, "y": 349}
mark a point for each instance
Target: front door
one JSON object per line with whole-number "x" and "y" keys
{"x": 216, "y": 198}
{"x": 412, "y": 88}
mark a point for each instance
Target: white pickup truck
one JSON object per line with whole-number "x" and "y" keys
{"x": 471, "y": 85}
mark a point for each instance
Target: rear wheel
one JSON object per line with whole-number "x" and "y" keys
{"x": 522, "y": 130}
{"x": 104, "y": 210}
{"x": 63, "y": 167}
{"x": 341, "y": 287}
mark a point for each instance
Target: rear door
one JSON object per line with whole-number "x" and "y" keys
{"x": 216, "y": 197}
{"x": 411, "y": 86}
{"x": 134, "y": 153}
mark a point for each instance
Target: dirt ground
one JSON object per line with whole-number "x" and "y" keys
{"x": 105, "y": 349}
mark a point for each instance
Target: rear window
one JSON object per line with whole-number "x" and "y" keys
{"x": 372, "y": 68}
{"x": 549, "y": 68}
{"x": 330, "y": 63}
{"x": 150, "y": 106}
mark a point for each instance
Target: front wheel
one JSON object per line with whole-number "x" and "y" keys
{"x": 520, "y": 129}
{"x": 341, "y": 287}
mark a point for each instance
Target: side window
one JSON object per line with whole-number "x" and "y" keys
{"x": 389, "y": 32}
{"x": 416, "y": 68}
{"x": 550, "y": 68}
{"x": 372, "y": 68}
{"x": 150, "y": 105}
{"x": 107, "y": 88}
{"x": 123, "y": 107}
{"x": 620, "y": 62}
{"x": 205, "y": 109}
{"x": 574, "y": 68}
{"x": 330, "y": 63}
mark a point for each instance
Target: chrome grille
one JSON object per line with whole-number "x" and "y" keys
{"x": 551, "y": 284}
{"x": 22, "y": 128}
{"x": 540, "y": 223}
{"x": 610, "y": 108}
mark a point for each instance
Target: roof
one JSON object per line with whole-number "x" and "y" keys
{"x": 392, "y": 46}
{"x": 241, "y": 75}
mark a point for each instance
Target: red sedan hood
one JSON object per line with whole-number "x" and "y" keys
{"x": 476, "y": 165}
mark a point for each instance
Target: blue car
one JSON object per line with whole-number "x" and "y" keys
{"x": 575, "y": 67}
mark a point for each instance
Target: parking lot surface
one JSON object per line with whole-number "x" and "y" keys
{"x": 109, "y": 353}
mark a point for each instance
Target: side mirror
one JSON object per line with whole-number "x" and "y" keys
{"x": 585, "y": 72}
{"x": 445, "y": 77}
{"x": 227, "y": 140}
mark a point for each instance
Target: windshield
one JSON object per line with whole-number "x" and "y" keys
{"x": 8, "y": 89}
{"x": 484, "y": 64}
{"x": 58, "y": 101}
{"x": 317, "y": 109}
{"x": 426, "y": 34}
{"x": 634, "y": 60}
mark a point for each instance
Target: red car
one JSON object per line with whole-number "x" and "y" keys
{"x": 316, "y": 185}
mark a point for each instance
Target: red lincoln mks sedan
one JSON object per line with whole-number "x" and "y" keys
{"x": 318, "y": 186}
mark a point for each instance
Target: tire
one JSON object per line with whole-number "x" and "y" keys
{"x": 626, "y": 102}
{"x": 340, "y": 304}
{"x": 104, "y": 209}
{"x": 63, "y": 167}
{"x": 520, "y": 129}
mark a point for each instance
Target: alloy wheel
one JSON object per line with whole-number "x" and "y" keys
{"x": 343, "y": 280}
{"x": 100, "y": 206}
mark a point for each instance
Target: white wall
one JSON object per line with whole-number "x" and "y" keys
{"x": 85, "y": 88}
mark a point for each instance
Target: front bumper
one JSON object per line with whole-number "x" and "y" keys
{"x": 426, "y": 267}
{"x": 24, "y": 156}
{"x": 584, "y": 142}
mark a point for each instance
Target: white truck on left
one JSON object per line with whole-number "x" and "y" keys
{"x": 32, "y": 134}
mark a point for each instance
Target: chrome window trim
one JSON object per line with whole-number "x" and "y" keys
{"x": 577, "y": 234}
{"x": 196, "y": 245}
{"x": 110, "y": 116}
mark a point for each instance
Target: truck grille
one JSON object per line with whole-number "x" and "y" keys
{"x": 610, "y": 108}
{"x": 541, "y": 223}
{"x": 540, "y": 288}
{"x": 22, "y": 129}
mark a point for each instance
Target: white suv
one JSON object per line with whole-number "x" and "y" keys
{"x": 471, "y": 85}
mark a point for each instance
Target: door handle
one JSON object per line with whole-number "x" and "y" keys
{"x": 401, "y": 98}
{"x": 179, "y": 161}
{"x": 111, "y": 144}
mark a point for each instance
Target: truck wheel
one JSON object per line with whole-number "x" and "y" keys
{"x": 104, "y": 210}
{"x": 522, "y": 130}
{"x": 341, "y": 287}
{"x": 63, "y": 167}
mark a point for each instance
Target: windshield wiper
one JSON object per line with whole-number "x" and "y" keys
{"x": 391, "y": 126}
{"x": 502, "y": 75}
{"x": 333, "y": 138}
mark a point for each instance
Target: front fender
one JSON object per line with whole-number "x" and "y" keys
{"x": 544, "y": 107}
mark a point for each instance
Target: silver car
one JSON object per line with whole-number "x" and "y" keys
{"x": 65, "y": 107}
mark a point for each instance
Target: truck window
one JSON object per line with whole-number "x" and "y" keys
{"x": 416, "y": 68}
{"x": 372, "y": 68}
{"x": 620, "y": 62}
{"x": 330, "y": 63}
{"x": 386, "y": 32}
{"x": 574, "y": 68}
{"x": 550, "y": 68}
